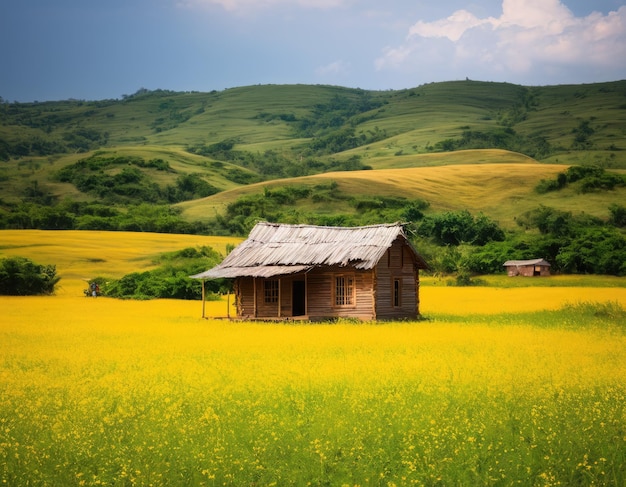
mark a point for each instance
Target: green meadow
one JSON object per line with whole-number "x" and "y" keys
{"x": 545, "y": 123}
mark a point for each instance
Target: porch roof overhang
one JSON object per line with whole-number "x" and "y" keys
{"x": 264, "y": 271}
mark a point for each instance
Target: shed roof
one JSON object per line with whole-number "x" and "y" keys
{"x": 522, "y": 263}
{"x": 274, "y": 249}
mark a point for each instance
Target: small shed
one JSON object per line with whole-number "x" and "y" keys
{"x": 321, "y": 272}
{"x": 527, "y": 268}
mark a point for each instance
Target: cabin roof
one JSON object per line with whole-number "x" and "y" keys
{"x": 274, "y": 249}
{"x": 522, "y": 263}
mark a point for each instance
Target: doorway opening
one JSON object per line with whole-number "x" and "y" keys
{"x": 298, "y": 298}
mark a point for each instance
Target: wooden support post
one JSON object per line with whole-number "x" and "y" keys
{"x": 417, "y": 293}
{"x": 280, "y": 286}
{"x": 228, "y": 305}
{"x": 203, "y": 297}
{"x": 254, "y": 307}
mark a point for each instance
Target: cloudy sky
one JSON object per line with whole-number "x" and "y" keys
{"x": 97, "y": 49}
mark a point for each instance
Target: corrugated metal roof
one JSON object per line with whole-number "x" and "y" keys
{"x": 521, "y": 263}
{"x": 273, "y": 249}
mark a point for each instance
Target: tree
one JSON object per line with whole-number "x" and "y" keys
{"x": 618, "y": 215}
{"x": 457, "y": 227}
{"x": 20, "y": 276}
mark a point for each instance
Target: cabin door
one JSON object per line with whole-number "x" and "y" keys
{"x": 299, "y": 298}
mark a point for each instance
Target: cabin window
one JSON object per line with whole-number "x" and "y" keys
{"x": 271, "y": 291}
{"x": 344, "y": 290}
{"x": 397, "y": 293}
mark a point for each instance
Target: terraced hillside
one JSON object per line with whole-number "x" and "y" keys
{"x": 162, "y": 161}
{"x": 579, "y": 123}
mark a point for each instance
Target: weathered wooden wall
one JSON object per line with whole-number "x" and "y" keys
{"x": 374, "y": 291}
{"x": 528, "y": 271}
{"x": 321, "y": 284}
{"x": 398, "y": 263}
{"x": 246, "y": 298}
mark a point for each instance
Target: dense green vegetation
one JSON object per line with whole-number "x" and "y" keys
{"x": 20, "y": 276}
{"x": 277, "y": 204}
{"x": 456, "y": 227}
{"x": 535, "y": 145}
{"x": 170, "y": 279}
{"x": 274, "y": 165}
{"x": 573, "y": 244}
{"x": 121, "y": 180}
{"x": 588, "y": 178}
{"x": 73, "y": 215}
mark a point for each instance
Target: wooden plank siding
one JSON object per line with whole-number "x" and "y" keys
{"x": 246, "y": 297}
{"x": 399, "y": 265}
{"x": 321, "y": 293}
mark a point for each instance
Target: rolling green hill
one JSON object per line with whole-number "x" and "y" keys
{"x": 194, "y": 162}
{"x": 578, "y": 123}
{"x": 196, "y": 153}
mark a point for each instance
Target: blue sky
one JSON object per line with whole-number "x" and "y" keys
{"x": 98, "y": 49}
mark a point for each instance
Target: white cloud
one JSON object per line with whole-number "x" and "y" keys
{"x": 530, "y": 38}
{"x": 550, "y": 15}
{"x": 453, "y": 27}
{"x": 333, "y": 69}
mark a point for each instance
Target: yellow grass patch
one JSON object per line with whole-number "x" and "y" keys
{"x": 83, "y": 255}
{"x": 488, "y": 300}
{"x": 495, "y": 189}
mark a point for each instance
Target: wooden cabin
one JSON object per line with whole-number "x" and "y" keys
{"x": 527, "y": 268}
{"x": 317, "y": 273}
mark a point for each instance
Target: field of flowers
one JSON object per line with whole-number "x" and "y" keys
{"x": 107, "y": 392}
{"x": 519, "y": 386}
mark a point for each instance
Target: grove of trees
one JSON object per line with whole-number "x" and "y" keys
{"x": 20, "y": 276}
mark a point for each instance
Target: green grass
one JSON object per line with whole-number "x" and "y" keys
{"x": 608, "y": 317}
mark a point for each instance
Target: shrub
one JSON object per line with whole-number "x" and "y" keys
{"x": 456, "y": 227}
{"x": 590, "y": 178}
{"x": 618, "y": 215}
{"x": 171, "y": 279}
{"x": 20, "y": 276}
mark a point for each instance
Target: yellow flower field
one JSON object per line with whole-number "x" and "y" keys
{"x": 487, "y": 300}
{"x": 106, "y": 392}
{"x": 522, "y": 386}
